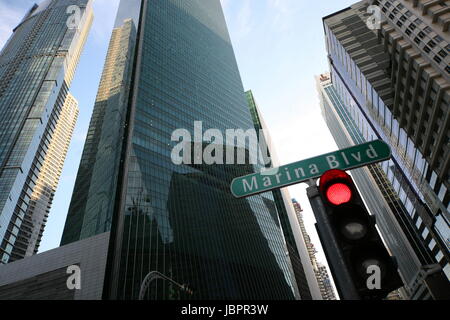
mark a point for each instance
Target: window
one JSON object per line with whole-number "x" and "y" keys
{"x": 432, "y": 244}
{"x": 447, "y": 270}
{"x": 419, "y": 222}
{"x": 442, "y": 192}
{"x": 425, "y": 233}
{"x": 433, "y": 180}
{"x": 438, "y": 39}
{"x": 442, "y": 53}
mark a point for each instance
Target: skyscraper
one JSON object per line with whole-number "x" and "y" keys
{"x": 98, "y": 171}
{"x": 179, "y": 220}
{"x": 325, "y": 285}
{"x": 320, "y": 271}
{"x": 296, "y": 242}
{"x": 32, "y": 228}
{"x": 392, "y": 83}
{"x": 37, "y": 66}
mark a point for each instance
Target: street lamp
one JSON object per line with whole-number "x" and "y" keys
{"x": 157, "y": 275}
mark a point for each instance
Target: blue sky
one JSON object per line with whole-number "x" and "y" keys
{"x": 279, "y": 46}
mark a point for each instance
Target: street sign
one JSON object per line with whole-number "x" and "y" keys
{"x": 346, "y": 159}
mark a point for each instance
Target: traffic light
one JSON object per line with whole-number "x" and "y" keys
{"x": 369, "y": 264}
{"x": 186, "y": 288}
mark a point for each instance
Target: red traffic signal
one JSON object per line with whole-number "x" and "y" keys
{"x": 353, "y": 231}
{"x": 336, "y": 185}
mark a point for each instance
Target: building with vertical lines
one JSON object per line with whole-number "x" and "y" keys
{"x": 99, "y": 164}
{"x": 296, "y": 242}
{"x": 320, "y": 271}
{"x": 393, "y": 84}
{"x": 179, "y": 220}
{"x": 37, "y": 66}
{"x": 32, "y": 228}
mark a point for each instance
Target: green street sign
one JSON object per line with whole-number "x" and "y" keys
{"x": 346, "y": 159}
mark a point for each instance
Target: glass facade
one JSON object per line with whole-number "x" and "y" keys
{"x": 368, "y": 93}
{"x": 37, "y": 65}
{"x": 381, "y": 199}
{"x": 93, "y": 199}
{"x": 32, "y": 229}
{"x": 280, "y": 198}
{"x": 182, "y": 220}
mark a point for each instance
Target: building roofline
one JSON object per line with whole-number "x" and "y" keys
{"x": 335, "y": 13}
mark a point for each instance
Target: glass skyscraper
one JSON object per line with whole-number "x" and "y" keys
{"x": 37, "y": 66}
{"x": 33, "y": 225}
{"x": 179, "y": 220}
{"x": 92, "y": 202}
{"x": 391, "y": 83}
{"x": 320, "y": 271}
{"x": 295, "y": 240}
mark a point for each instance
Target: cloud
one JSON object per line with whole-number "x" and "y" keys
{"x": 282, "y": 12}
{"x": 10, "y": 16}
{"x": 225, "y": 3}
{"x": 104, "y": 11}
{"x": 240, "y": 18}
{"x": 244, "y": 18}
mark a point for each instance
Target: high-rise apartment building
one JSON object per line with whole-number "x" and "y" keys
{"x": 392, "y": 83}
{"x": 326, "y": 288}
{"x": 37, "y": 66}
{"x": 179, "y": 220}
{"x": 320, "y": 271}
{"x": 32, "y": 228}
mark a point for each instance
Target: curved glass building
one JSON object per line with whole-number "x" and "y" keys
{"x": 179, "y": 220}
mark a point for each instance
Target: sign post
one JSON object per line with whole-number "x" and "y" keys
{"x": 308, "y": 170}
{"x": 298, "y": 172}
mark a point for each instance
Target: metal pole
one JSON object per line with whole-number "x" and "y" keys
{"x": 341, "y": 274}
{"x": 153, "y": 276}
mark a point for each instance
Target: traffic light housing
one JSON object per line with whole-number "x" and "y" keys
{"x": 369, "y": 264}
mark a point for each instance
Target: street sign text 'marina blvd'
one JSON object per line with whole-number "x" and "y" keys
{"x": 346, "y": 159}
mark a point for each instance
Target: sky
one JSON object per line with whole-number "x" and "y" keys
{"x": 279, "y": 46}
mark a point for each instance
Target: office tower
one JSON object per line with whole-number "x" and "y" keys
{"x": 37, "y": 66}
{"x": 179, "y": 220}
{"x": 33, "y": 224}
{"x": 98, "y": 171}
{"x": 325, "y": 283}
{"x": 321, "y": 274}
{"x": 297, "y": 246}
{"x": 391, "y": 83}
